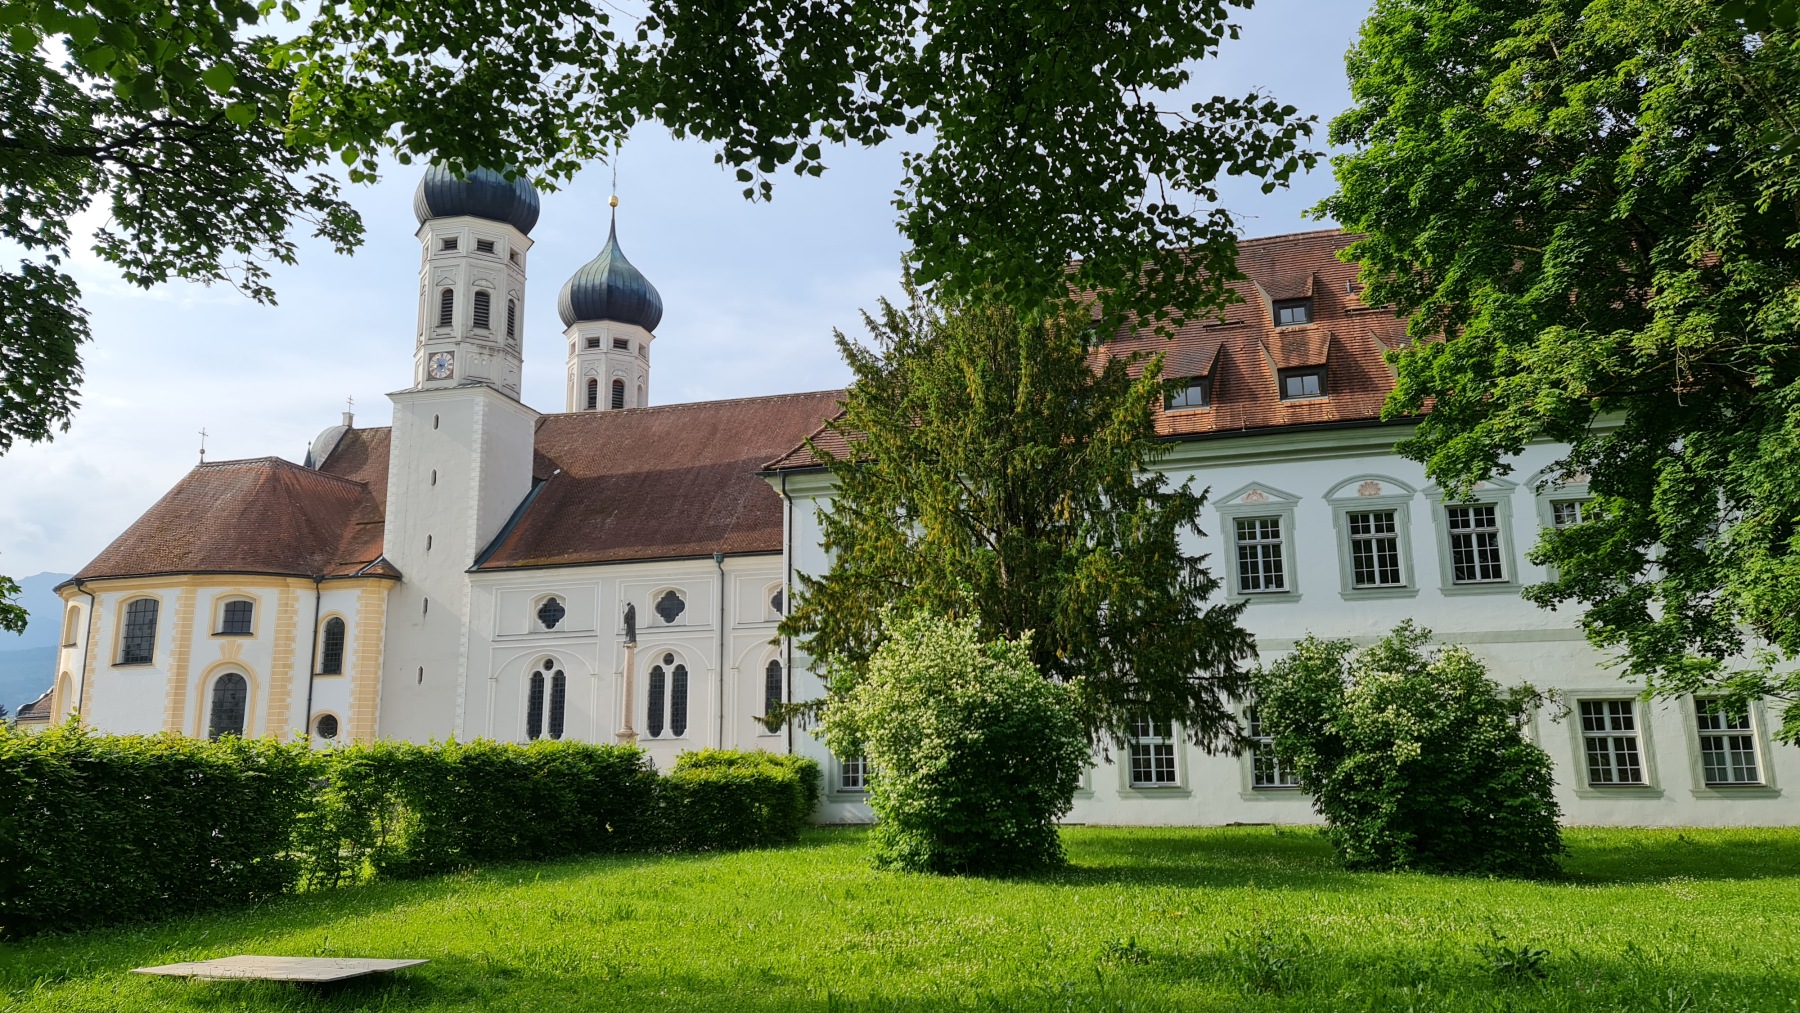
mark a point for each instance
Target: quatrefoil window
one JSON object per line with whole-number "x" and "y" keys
{"x": 670, "y": 606}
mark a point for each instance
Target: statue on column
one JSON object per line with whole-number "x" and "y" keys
{"x": 630, "y": 623}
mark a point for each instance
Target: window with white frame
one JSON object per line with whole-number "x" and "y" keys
{"x": 1188, "y": 392}
{"x": 1266, "y": 770}
{"x": 1297, "y": 384}
{"x": 1609, "y": 735}
{"x": 1260, "y": 566}
{"x": 1152, "y": 753}
{"x": 853, "y": 774}
{"x": 1374, "y": 549}
{"x": 1727, "y": 743}
{"x": 1566, "y": 513}
{"x": 1474, "y": 531}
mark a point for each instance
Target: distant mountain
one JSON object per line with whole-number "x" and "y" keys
{"x": 28, "y": 660}
{"x": 24, "y": 675}
{"x": 46, "y": 614}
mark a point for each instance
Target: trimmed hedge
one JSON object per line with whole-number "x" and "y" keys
{"x": 104, "y": 829}
{"x": 717, "y": 798}
{"x": 101, "y": 829}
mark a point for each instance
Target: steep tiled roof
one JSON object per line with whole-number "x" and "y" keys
{"x": 653, "y": 483}
{"x": 1243, "y": 353}
{"x": 264, "y": 515}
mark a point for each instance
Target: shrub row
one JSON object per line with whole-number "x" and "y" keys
{"x": 102, "y": 829}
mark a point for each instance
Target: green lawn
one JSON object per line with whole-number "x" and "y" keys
{"x": 1232, "y": 919}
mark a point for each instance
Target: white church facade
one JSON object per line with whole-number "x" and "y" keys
{"x": 617, "y": 570}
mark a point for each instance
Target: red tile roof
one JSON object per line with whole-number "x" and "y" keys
{"x": 654, "y": 483}
{"x": 1243, "y": 353}
{"x": 265, "y": 515}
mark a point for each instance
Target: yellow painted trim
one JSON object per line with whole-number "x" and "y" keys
{"x": 281, "y": 674}
{"x": 118, "y": 630}
{"x": 181, "y": 655}
{"x": 365, "y": 691}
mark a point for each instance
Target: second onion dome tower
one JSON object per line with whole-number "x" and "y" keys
{"x": 610, "y": 311}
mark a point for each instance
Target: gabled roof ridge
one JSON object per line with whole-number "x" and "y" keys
{"x": 283, "y": 464}
{"x": 686, "y": 405}
{"x": 1291, "y": 235}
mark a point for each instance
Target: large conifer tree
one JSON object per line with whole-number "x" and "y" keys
{"x": 994, "y": 466}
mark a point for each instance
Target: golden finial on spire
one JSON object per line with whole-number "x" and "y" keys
{"x": 613, "y": 200}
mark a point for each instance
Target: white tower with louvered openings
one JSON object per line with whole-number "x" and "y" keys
{"x": 610, "y": 311}
{"x": 460, "y": 460}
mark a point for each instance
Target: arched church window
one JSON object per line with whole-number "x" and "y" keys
{"x": 138, "y": 644}
{"x": 593, "y": 395}
{"x": 678, "y": 699}
{"x": 229, "y": 695}
{"x": 512, "y": 319}
{"x": 446, "y": 307}
{"x": 483, "y": 309}
{"x": 237, "y": 618}
{"x": 331, "y": 651}
{"x": 534, "y": 707}
{"x": 550, "y": 613}
{"x": 653, "y": 718}
{"x": 618, "y": 393}
{"x": 559, "y": 695}
{"x": 670, "y": 606}
{"x": 772, "y": 695}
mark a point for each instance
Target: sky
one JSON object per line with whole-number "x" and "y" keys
{"x": 751, "y": 293}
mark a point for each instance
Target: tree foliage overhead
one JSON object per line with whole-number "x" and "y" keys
{"x": 1042, "y": 131}
{"x": 172, "y": 116}
{"x": 992, "y": 472}
{"x": 1597, "y": 204}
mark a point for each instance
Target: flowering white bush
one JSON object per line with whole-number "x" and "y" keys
{"x": 1416, "y": 760}
{"x": 973, "y": 754}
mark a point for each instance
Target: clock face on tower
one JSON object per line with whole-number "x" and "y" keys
{"x": 441, "y": 365}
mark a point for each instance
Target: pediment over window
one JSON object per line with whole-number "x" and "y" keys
{"x": 1256, "y": 494}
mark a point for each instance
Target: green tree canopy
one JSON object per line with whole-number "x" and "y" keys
{"x": 995, "y": 471}
{"x": 1596, "y": 205}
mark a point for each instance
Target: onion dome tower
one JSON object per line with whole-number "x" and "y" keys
{"x": 610, "y": 312}
{"x": 475, "y": 232}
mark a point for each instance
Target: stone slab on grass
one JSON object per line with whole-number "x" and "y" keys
{"x": 313, "y": 970}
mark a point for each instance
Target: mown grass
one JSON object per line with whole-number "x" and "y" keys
{"x": 1248, "y": 918}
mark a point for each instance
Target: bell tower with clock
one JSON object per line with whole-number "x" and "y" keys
{"x": 459, "y": 461}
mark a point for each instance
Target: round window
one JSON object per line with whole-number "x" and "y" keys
{"x": 327, "y": 726}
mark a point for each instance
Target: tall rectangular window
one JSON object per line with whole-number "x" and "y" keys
{"x": 1474, "y": 544}
{"x": 1727, "y": 743}
{"x": 1374, "y": 549}
{"x": 853, "y": 774}
{"x": 483, "y": 309}
{"x": 1193, "y": 392}
{"x": 1266, "y": 768}
{"x": 1152, "y": 753}
{"x": 1609, "y": 732}
{"x": 137, "y": 642}
{"x": 1259, "y": 555}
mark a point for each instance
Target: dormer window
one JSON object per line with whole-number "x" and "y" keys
{"x": 1298, "y": 384}
{"x": 449, "y": 245}
{"x": 1293, "y": 312}
{"x": 624, "y": 344}
{"x": 1192, "y": 392}
{"x": 484, "y": 246}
